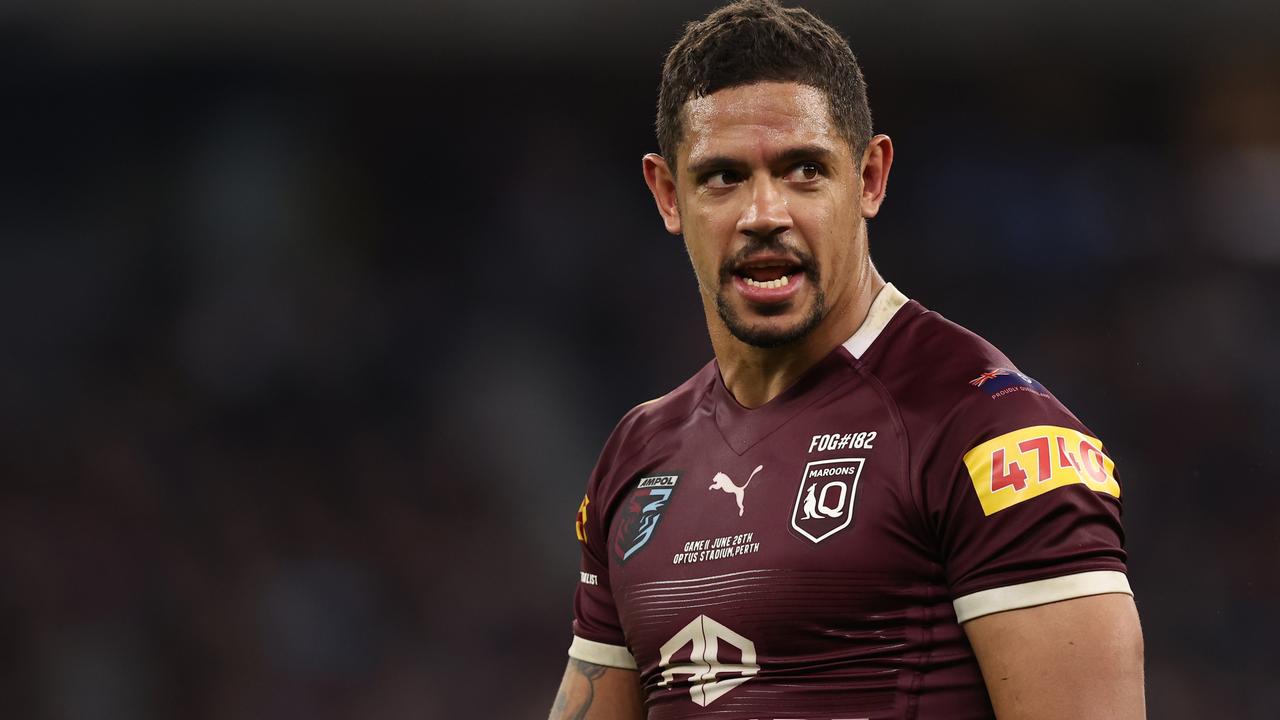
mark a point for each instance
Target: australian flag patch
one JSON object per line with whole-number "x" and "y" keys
{"x": 999, "y": 382}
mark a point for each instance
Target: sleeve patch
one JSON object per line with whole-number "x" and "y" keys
{"x": 580, "y": 522}
{"x": 1027, "y": 463}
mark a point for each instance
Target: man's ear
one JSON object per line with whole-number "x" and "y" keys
{"x": 876, "y": 162}
{"x": 657, "y": 175}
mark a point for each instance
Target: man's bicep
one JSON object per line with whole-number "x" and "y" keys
{"x": 1078, "y": 659}
{"x": 598, "y": 692}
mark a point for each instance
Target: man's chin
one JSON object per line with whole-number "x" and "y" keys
{"x": 769, "y": 337}
{"x": 771, "y": 326}
{"x": 770, "y": 331}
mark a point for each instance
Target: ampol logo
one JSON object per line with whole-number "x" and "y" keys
{"x": 638, "y": 518}
{"x": 824, "y": 502}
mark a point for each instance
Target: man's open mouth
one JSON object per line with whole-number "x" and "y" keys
{"x": 768, "y": 273}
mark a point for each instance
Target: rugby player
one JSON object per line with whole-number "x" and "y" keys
{"x": 858, "y": 509}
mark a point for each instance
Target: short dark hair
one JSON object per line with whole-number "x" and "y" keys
{"x": 750, "y": 41}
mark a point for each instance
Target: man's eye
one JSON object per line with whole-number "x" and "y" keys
{"x": 804, "y": 172}
{"x": 722, "y": 179}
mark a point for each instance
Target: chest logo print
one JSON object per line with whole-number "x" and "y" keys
{"x": 723, "y": 482}
{"x": 702, "y": 664}
{"x": 824, "y": 500}
{"x": 639, "y": 515}
{"x": 814, "y": 511}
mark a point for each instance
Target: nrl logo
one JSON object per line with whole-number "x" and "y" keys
{"x": 824, "y": 502}
{"x": 639, "y": 516}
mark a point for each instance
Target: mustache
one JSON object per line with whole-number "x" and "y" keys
{"x": 803, "y": 260}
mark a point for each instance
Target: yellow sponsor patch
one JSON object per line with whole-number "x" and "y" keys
{"x": 580, "y": 522}
{"x": 1030, "y": 462}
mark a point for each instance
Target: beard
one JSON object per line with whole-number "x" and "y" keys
{"x": 764, "y": 335}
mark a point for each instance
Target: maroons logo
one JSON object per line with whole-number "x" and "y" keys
{"x": 639, "y": 516}
{"x": 824, "y": 502}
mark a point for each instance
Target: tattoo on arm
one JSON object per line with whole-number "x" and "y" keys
{"x": 591, "y": 673}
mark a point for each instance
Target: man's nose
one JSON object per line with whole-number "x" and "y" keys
{"x": 767, "y": 214}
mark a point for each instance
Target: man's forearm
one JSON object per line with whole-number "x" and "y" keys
{"x": 597, "y": 692}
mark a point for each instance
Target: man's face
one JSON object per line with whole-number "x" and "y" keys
{"x": 768, "y": 195}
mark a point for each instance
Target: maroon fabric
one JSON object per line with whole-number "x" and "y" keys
{"x": 842, "y": 590}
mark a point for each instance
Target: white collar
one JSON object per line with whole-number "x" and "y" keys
{"x": 883, "y": 308}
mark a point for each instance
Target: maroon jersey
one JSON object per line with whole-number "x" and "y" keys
{"x": 814, "y": 558}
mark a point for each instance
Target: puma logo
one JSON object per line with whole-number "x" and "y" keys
{"x": 722, "y": 482}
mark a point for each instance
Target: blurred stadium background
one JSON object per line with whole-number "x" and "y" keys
{"x": 316, "y": 315}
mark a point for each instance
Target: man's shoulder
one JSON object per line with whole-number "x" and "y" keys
{"x": 942, "y": 375}
{"x": 930, "y": 360}
{"x": 643, "y": 422}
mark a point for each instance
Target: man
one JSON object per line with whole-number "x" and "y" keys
{"x": 858, "y": 509}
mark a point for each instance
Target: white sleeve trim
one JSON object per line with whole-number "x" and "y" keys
{"x": 599, "y": 653}
{"x": 1040, "y": 592}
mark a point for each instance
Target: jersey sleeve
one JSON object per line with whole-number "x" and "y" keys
{"x": 1024, "y": 501}
{"x": 597, "y": 630}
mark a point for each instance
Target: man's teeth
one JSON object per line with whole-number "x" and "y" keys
{"x": 770, "y": 284}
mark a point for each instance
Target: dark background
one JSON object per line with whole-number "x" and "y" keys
{"x": 315, "y": 317}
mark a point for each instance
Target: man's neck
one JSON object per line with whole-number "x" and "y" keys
{"x": 754, "y": 376}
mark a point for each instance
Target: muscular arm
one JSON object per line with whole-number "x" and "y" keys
{"x": 1078, "y": 659}
{"x": 598, "y": 692}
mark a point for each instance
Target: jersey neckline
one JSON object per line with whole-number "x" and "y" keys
{"x": 743, "y": 427}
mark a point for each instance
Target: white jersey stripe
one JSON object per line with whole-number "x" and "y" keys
{"x": 699, "y": 580}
